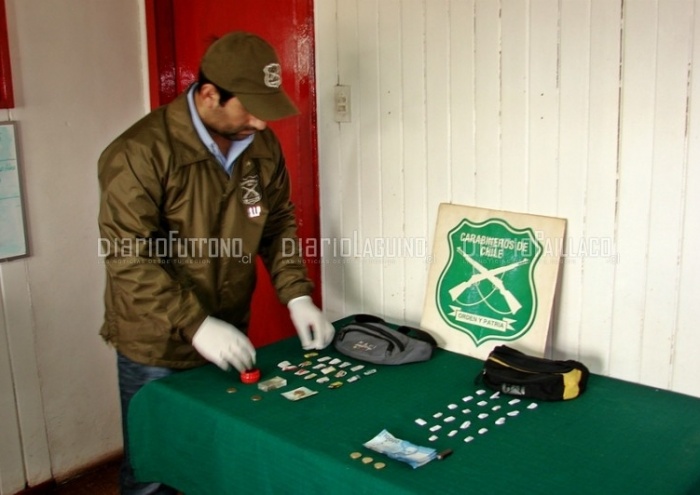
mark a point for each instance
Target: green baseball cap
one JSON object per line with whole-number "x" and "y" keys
{"x": 247, "y": 66}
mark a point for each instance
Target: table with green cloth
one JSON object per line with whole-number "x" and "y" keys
{"x": 191, "y": 432}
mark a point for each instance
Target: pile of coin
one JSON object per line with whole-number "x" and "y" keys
{"x": 367, "y": 460}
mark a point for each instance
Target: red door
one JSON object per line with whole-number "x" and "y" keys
{"x": 179, "y": 31}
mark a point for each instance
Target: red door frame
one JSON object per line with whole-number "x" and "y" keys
{"x": 7, "y": 99}
{"x": 168, "y": 32}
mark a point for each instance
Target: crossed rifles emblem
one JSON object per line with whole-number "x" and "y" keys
{"x": 481, "y": 273}
{"x": 251, "y": 193}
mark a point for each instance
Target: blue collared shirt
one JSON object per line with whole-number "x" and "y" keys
{"x": 237, "y": 147}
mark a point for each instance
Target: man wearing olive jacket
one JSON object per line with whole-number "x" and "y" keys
{"x": 190, "y": 194}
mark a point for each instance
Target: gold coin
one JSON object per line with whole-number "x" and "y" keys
{"x": 367, "y": 460}
{"x": 231, "y": 390}
{"x": 355, "y": 455}
{"x": 256, "y": 397}
{"x": 379, "y": 465}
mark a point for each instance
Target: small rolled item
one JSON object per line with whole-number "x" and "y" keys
{"x": 444, "y": 454}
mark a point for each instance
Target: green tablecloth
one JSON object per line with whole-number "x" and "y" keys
{"x": 618, "y": 438}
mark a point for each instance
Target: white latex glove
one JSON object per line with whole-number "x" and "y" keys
{"x": 224, "y": 345}
{"x": 315, "y": 331}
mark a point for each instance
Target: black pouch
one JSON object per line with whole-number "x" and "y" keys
{"x": 369, "y": 338}
{"x": 512, "y": 372}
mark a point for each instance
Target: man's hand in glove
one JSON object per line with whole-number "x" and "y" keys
{"x": 315, "y": 331}
{"x": 224, "y": 345}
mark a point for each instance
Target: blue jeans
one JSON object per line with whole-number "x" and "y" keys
{"x": 133, "y": 376}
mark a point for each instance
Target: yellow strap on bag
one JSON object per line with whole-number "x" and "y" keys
{"x": 512, "y": 372}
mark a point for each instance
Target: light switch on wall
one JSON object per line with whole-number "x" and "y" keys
{"x": 342, "y": 103}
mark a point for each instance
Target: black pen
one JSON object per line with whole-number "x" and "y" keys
{"x": 445, "y": 453}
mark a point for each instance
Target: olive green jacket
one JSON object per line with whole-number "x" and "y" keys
{"x": 179, "y": 236}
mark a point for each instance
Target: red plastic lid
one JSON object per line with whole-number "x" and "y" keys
{"x": 250, "y": 376}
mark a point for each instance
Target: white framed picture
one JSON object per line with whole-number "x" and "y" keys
{"x": 13, "y": 235}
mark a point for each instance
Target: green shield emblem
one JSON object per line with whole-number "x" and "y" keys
{"x": 487, "y": 288}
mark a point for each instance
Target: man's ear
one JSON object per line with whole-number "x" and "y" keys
{"x": 210, "y": 95}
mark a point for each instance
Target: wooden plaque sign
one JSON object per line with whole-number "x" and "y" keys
{"x": 492, "y": 279}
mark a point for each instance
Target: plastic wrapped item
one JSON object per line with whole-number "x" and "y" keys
{"x": 401, "y": 450}
{"x": 272, "y": 384}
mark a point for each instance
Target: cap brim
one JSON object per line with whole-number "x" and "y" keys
{"x": 268, "y": 107}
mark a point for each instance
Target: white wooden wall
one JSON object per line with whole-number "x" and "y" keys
{"x": 583, "y": 109}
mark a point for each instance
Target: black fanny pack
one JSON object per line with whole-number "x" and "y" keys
{"x": 369, "y": 338}
{"x": 512, "y": 372}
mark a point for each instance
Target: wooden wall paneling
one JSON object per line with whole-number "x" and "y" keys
{"x": 437, "y": 107}
{"x": 392, "y": 199}
{"x": 665, "y": 216}
{"x": 18, "y": 320}
{"x": 543, "y": 110}
{"x": 487, "y": 68}
{"x": 12, "y": 477}
{"x": 687, "y": 342}
{"x": 414, "y": 155}
{"x": 514, "y": 105}
{"x": 601, "y": 180}
{"x": 574, "y": 125}
{"x": 462, "y": 102}
{"x": 636, "y": 133}
{"x": 592, "y": 129}
{"x": 371, "y": 213}
{"x": 329, "y": 158}
{"x": 348, "y": 46}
